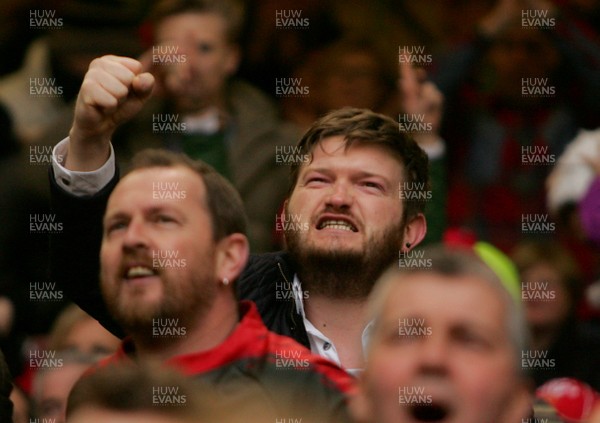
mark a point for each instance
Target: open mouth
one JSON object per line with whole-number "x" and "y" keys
{"x": 336, "y": 223}
{"x": 429, "y": 412}
{"x": 139, "y": 271}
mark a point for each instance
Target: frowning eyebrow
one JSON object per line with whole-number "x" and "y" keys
{"x": 359, "y": 173}
{"x": 356, "y": 174}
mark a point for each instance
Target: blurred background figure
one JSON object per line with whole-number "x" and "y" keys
{"x": 15, "y": 34}
{"x": 53, "y": 383}
{"x": 75, "y": 330}
{"x": 75, "y": 339}
{"x": 73, "y": 33}
{"x": 348, "y": 72}
{"x": 573, "y": 198}
{"x": 503, "y": 139}
{"x": 551, "y": 290}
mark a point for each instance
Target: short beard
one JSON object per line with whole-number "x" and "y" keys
{"x": 187, "y": 306}
{"x": 346, "y": 275}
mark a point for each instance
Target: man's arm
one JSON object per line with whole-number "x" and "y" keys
{"x": 83, "y": 175}
{"x": 74, "y": 252}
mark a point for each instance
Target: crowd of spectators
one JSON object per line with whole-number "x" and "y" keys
{"x": 501, "y": 95}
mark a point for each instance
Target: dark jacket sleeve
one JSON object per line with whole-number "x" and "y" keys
{"x": 75, "y": 251}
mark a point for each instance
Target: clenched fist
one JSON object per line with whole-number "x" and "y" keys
{"x": 114, "y": 89}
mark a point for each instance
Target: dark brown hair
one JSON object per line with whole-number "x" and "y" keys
{"x": 232, "y": 11}
{"x": 367, "y": 127}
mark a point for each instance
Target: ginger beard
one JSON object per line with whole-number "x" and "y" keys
{"x": 185, "y": 296}
{"x": 140, "y": 227}
{"x": 344, "y": 273}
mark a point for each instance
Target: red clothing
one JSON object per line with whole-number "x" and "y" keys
{"x": 258, "y": 368}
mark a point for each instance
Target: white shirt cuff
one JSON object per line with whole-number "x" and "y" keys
{"x": 80, "y": 183}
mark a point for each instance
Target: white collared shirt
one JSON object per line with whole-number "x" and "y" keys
{"x": 319, "y": 343}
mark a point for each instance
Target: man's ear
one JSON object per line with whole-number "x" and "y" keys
{"x": 231, "y": 256}
{"x": 414, "y": 232}
{"x": 283, "y": 207}
{"x": 234, "y": 56}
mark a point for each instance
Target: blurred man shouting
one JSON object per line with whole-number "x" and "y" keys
{"x": 445, "y": 347}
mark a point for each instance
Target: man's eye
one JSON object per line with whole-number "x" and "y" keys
{"x": 205, "y": 47}
{"x": 375, "y": 185}
{"x": 472, "y": 340}
{"x": 397, "y": 336}
{"x": 115, "y": 226}
{"x": 316, "y": 180}
{"x": 164, "y": 219}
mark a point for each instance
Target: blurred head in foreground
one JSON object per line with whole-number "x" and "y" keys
{"x": 445, "y": 345}
{"x": 127, "y": 393}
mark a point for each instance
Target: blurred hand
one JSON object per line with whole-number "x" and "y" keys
{"x": 502, "y": 14}
{"x": 418, "y": 96}
{"x": 505, "y": 12}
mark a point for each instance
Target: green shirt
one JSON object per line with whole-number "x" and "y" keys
{"x": 210, "y": 148}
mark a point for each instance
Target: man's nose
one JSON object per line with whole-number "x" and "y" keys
{"x": 135, "y": 236}
{"x": 433, "y": 353}
{"x": 341, "y": 195}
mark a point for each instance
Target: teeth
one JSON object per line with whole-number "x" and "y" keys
{"x": 139, "y": 271}
{"x": 338, "y": 224}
